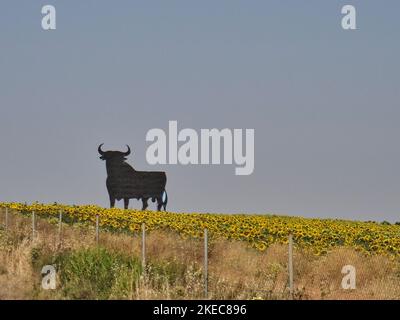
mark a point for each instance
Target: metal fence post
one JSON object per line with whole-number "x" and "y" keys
{"x": 60, "y": 228}
{"x": 205, "y": 263}
{"x": 33, "y": 225}
{"x": 143, "y": 246}
{"x": 97, "y": 229}
{"x": 6, "y": 222}
{"x": 290, "y": 266}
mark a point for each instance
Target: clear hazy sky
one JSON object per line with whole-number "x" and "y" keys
{"x": 324, "y": 102}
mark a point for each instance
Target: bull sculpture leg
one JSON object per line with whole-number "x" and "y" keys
{"x": 159, "y": 203}
{"x": 126, "y": 203}
{"x": 145, "y": 203}
{"x": 112, "y": 201}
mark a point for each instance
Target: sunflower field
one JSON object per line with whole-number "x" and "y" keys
{"x": 259, "y": 231}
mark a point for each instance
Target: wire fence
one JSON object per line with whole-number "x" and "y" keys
{"x": 333, "y": 274}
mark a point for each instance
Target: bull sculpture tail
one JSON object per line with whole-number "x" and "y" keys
{"x": 164, "y": 200}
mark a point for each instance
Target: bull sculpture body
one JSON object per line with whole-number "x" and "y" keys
{"x": 124, "y": 182}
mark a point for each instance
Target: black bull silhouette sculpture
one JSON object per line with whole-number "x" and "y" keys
{"x": 124, "y": 182}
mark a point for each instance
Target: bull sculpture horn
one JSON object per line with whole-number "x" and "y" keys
{"x": 99, "y": 150}
{"x": 128, "y": 152}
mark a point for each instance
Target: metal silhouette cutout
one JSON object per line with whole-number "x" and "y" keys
{"x": 124, "y": 182}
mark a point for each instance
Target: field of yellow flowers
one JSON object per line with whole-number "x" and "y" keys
{"x": 259, "y": 231}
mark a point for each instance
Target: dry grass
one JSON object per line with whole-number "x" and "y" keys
{"x": 174, "y": 268}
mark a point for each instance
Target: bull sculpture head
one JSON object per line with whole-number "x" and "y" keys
{"x": 117, "y": 156}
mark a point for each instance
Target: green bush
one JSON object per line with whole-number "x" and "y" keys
{"x": 97, "y": 274}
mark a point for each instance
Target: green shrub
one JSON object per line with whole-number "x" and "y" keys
{"x": 96, "y": 273}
